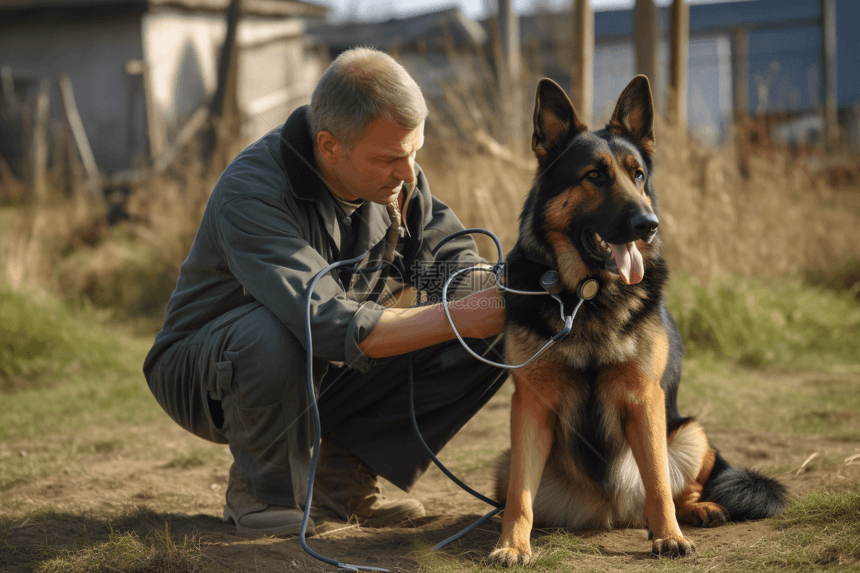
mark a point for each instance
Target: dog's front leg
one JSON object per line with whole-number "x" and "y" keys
{"x": 531, "y": 440}
{"x": 645, "y": 429}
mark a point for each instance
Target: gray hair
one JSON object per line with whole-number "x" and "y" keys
{"x": 360, "y": 85}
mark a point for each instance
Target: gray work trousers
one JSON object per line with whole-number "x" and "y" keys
{"x": 242, "y": 380}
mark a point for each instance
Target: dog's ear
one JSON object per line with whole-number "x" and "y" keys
{"x": 634, "y": 114}
{"x": 555, "y": 119}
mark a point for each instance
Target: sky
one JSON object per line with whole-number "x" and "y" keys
{"x": 384, "y": 9}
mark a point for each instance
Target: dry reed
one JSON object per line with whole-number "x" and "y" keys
{"x": 779, "y": 221}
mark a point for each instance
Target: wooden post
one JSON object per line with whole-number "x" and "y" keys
{"x": 740, "y": 74}
{"x": 68, "y": 159}
{"x": 156, "y": 129}
{"x": 679, "y": 45}
{"x": 225, "y": 91}
{"x": 192, "y": 127}
{"x": 76, "y": 126}
{"x": 509, "y": 71}
{"x": 646, "y": 39}
{"x": 828, "y": 56}
{"x": 39, "y": 153}
{"x": 740, "y": 87}
{"x": 8, "y": 84}
{"x": 582, "y": 74}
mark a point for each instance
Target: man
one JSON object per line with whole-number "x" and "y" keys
{"x": 337, "y": 179}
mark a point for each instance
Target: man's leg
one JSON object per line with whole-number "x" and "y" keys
{"x": 240, "y": 380}
{"x": 368, "y": 413}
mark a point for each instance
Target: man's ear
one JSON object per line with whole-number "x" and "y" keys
{"x": 634, "y": 114}
{"x": 329, "y": 147}
{"x": 555, "y": 120}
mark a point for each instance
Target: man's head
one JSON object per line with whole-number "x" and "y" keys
{"x": 367, "y": 120}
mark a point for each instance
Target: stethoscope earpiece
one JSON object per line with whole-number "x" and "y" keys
{"x": 551, "y": 282}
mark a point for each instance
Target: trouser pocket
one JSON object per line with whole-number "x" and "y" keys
{"x": 224, "y": 383}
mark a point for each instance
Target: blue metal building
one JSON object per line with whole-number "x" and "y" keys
{"x": 784, "y": 79}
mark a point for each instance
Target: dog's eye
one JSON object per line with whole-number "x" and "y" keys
{"x": 639, "y": 176}
{"x": 593, "y": 174}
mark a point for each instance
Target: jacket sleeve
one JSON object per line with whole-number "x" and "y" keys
{"x": 264, "y": 250}
{"x": 428, "y": 272}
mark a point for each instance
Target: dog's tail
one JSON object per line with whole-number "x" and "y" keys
{"x": 744, "y": 493}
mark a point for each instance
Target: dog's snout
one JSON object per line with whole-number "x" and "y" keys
{"x": 644, "y": 225}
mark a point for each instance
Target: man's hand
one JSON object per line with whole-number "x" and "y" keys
{"x": 402, "y": 330}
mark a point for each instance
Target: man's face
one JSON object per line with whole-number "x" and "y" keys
{"x": 379, "y": 163}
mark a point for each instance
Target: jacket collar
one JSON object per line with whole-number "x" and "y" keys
{"x": 305, "y": 182}
{"x": 298, "y": 156}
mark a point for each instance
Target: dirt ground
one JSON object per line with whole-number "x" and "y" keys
{"x": 183, "y": 479}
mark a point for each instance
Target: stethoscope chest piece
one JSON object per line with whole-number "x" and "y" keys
{"x": 587, "y": 289}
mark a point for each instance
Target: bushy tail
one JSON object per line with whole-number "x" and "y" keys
{"x": 744, "y": 493}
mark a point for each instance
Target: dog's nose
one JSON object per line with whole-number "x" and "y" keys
{"x": 644, "y": 225}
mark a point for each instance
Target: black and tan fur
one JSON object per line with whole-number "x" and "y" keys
{"x": 597, "y": 438}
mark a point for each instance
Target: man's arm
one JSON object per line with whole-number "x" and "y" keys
{"x": 401, "y": 330}
{"x": 263, "y": 248}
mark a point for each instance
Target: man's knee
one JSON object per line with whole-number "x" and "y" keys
{"x": 264, "y": 357}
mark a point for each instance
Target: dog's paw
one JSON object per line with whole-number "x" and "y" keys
{"x": 672, "y": 546}
{"x": 508, "y": 556}
{"x": 704, "y": 514}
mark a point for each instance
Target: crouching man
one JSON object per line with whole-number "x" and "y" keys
{"x": 337, "y": 179}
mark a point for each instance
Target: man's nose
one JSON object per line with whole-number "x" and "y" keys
{"x": 405, "y": 170}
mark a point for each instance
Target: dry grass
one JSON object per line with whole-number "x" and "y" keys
{"x": 784, "y": 219}
{"x": 130, "y": 268}
{"x": 133, "y": 540}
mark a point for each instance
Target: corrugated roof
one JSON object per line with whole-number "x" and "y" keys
{"x": 704, "y": 18}
{"x": 252, "y": 7}
{"x": 431, "y": 29}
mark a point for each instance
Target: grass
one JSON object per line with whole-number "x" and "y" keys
{"x": 94, "y": 415}
{"x": 60, "y": 370}
{"x": 819, "y": 531}
{"x": 188, "y": 461}
{"x": 42, "y": 340}
{"x": 73, "y": 393}
{"x": 133, "y": 541}
{"x": 758, "y": 322}
{"x": 127, "y": 552}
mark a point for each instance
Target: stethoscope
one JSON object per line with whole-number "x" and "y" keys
{"x": 550, "y": 281}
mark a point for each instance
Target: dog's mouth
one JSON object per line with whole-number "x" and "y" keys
{"x": 624, "y": 259}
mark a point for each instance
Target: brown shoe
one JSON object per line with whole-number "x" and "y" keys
{"x": 255, "y": 517}
{"x": 347, "y": 487}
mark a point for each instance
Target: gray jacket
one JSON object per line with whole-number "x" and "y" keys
{"x": 270, "y": 226}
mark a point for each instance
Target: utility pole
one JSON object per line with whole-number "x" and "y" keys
{"x": 646, "y": 38}
{"x": 582, "y": 74}
{"x": 679, "y": 45}
{"x": 828, "y": 56}
{"x": 509, "y": 71}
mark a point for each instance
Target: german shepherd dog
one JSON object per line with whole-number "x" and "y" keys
{"x": 597, "y": 438}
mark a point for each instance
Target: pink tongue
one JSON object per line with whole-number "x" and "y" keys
{"x": 628, "y": 259}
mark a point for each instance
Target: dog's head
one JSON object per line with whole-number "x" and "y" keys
{"x": 592, "y": 208}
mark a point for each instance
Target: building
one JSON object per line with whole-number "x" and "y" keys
{"x": 779, "y": 77}
{"x": 436, "y": 47}
{"x": 140, "y": 68}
